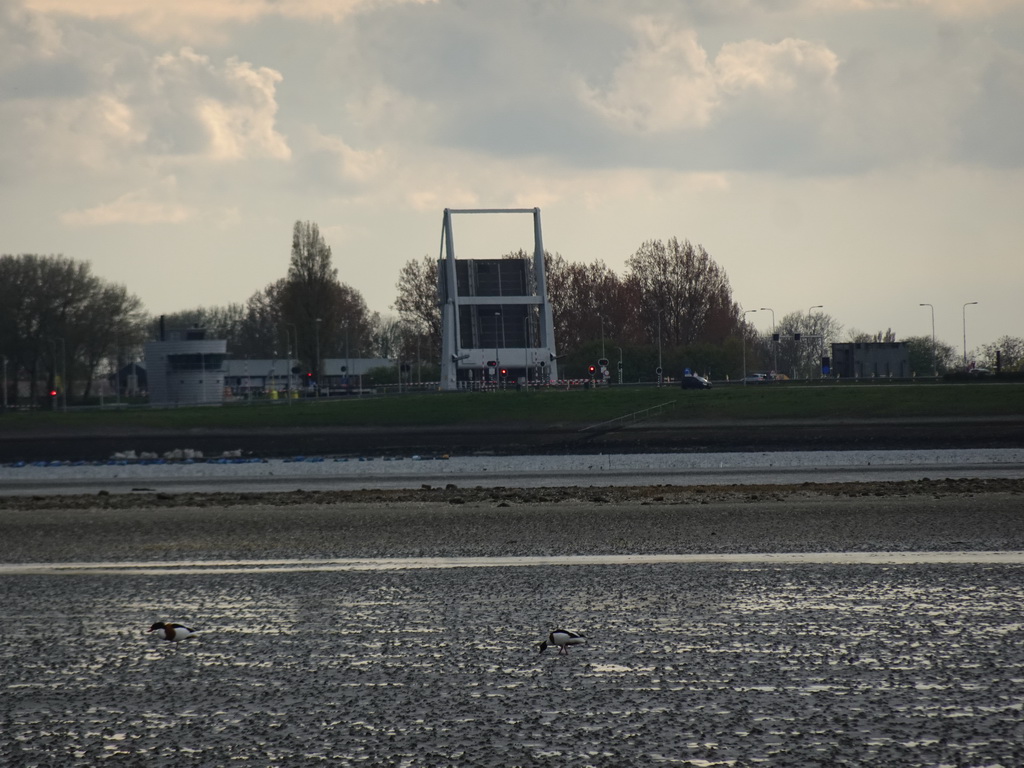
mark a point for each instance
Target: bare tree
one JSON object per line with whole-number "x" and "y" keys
{"x": 417, "y": 305}
{"x": 1011, "y": 354}
{"x": 58, "y": 321}
{"x": 323, "y": 311}
{"x": 803, "y": 340}
{"x": 684, "y": 296}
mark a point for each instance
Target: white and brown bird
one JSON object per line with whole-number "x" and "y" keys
{"x": 172, "y": 632}
{"x": 562, "y": 638}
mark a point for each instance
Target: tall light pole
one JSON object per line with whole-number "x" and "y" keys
{"x": 822, "y": 334}
{"x": 935, "y": 364}
{"x": 660, "y": 369}
{"x": 969, "y": 303}
{"x": 743, "y": 339}
{"x": 296, "y": 350}
{"x": 775, "y": 342}
{"x": 497, "y": 359}
{"x": 317, "y": 380}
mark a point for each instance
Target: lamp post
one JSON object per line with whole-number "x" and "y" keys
{"x": 775, "y": 343}
{"x": 969, "y": 303}
{"x": 935, "y": 365}
{"x": 497, "y": 359}
{"x": 743, "y": 340}
{"x": 811, "y": 330}
{"x": 660, "y": 369}
{"x": 296, "y": 350}
{"x": 316, "y": 381}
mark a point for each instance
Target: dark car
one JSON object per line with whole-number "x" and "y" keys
{"x": 693, "y": 381}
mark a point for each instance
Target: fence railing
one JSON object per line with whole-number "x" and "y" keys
{"x": 646, "y": 413}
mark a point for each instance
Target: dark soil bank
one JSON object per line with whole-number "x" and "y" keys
{"x": 512, "y": 439}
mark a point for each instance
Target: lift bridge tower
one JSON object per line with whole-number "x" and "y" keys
{"x": 496, "y": 324}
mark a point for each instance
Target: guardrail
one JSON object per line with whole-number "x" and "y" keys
{"x": 646, "y": 413}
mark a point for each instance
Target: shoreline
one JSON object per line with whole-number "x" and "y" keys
{"x": 951, "y": 515}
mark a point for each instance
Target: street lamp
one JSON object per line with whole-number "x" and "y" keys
{"x": 497, "y": 359}
{"x": 317, "y": 381}
{"x": 811, "y": 331}
{"x": 296, "y": 329}
{"x": 969, "y": 303}
{"x": 935, "y": 364}
{"x": 660, "y": 369}
{"x": 743, "y": 340}
{"x": 775, "y": 342}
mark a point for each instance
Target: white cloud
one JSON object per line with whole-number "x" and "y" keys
{"x": 666, "y": 83}
{"x": 349, "y": 163}
{"x": 204, "y": 19}
{"x": 146, "y": 206}
{"x": 775, "y": 69}
{"x": 26, "y": 36}
{"x": 954, "y": 8}
{"x": 244, "y": 125}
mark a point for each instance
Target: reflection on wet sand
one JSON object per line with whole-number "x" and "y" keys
{"x": 415, "y": 563}
{"x": 713, "y": 663}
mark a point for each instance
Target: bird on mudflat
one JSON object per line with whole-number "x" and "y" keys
{"x": 173, "y": 632}
{"x": 562, "y": 638}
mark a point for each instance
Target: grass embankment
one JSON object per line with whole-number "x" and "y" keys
{"x": 552, "y": 407}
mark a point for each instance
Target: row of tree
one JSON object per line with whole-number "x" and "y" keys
{"x": 60, "y": 325}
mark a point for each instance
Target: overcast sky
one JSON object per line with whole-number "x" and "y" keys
{"x": 864, "y": 155}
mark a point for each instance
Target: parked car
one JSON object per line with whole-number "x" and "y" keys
{"x": 693, "y": 381}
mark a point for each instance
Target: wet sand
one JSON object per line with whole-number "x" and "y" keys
{"x": 687, "y": 663}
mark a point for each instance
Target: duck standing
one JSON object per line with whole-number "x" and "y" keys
{"x": 562, "y": 638}
{"x": 172, "y": 632}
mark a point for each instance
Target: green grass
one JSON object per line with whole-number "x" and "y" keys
{"x": 784, "y": 402}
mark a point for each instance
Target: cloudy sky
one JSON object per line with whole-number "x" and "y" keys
{"x": 864, "y": 155}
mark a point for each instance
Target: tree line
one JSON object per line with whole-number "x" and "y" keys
{"x": 61, "y": 326}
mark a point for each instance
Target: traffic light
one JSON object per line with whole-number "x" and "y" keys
{"x": 491, "y": 363}
{"x": 504, "y": 371}
{"x": 592, "y": 369}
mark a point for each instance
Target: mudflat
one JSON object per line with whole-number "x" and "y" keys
{"x": 701, "y": 663}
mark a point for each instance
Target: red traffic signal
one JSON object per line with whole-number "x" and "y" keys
{"x": 504, "y": 371}
{"x": 53, "y": 393}
{"x": 592, "y": 369}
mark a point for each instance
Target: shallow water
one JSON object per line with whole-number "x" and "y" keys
{"x": 318, "y": 473}
{"x": 152, "y": 568}
{"x": 711, "y": 663}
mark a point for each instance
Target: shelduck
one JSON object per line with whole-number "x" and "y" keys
{"x": 562, "y": 638}
{"x": 174, "y": 632}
